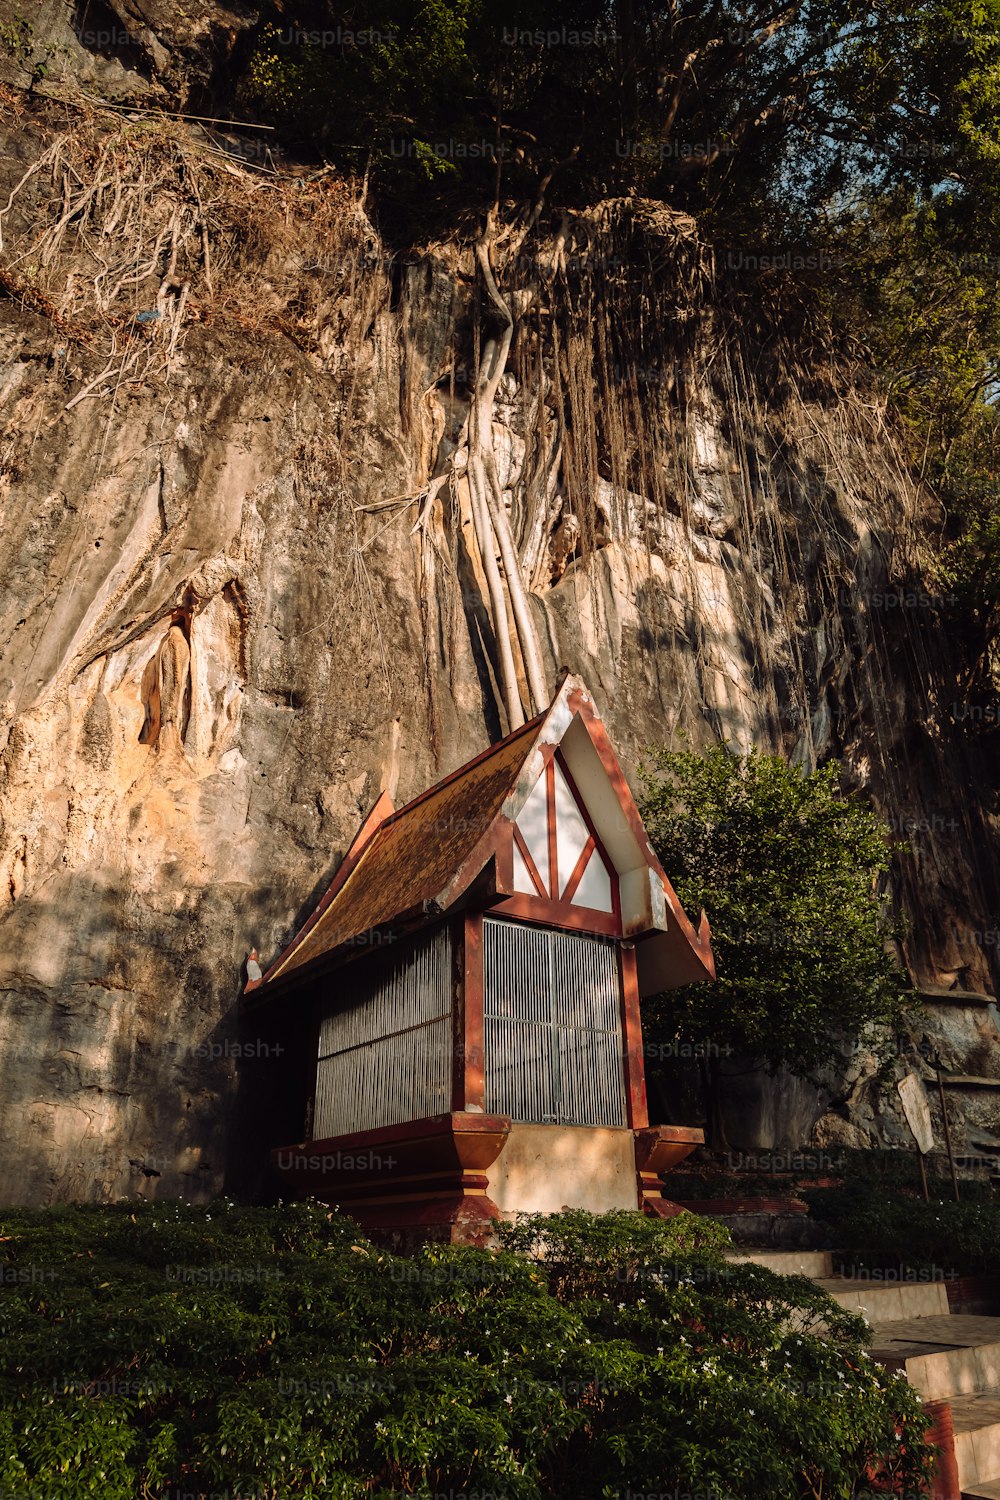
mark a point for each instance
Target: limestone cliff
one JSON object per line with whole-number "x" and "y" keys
{"x": 236, "y": 602}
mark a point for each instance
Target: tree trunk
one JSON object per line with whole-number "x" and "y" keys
{"x": 498, "y": 603}
{"x": 492, "y": 363}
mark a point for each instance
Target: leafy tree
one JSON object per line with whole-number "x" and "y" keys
{"x": 755, "y": 107}
{"x": 380, "y": 88}
{"x": 787, "y": 871}
{"x": 916, "y": 288}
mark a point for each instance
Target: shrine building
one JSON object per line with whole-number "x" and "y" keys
{"x": 463, "y": 1003}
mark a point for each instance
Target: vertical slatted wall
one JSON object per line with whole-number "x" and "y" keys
{"x": 385, "y": 1057}
{"x": 553, "y": 1026}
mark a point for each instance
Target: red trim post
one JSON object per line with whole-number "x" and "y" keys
{"x": 635, "y": 1068}
{"x": 574, "y": 880}
{"x": 503, "y": 854}
{"x": 468, "y": 1076}
{"x": 550, "y": 818}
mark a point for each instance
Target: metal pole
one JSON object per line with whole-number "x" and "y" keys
{"x": 947, "y": 1128}
{"x": 923, "y": 1175}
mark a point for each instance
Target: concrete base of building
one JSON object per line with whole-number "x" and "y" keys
{"x": 449, "y": 1178}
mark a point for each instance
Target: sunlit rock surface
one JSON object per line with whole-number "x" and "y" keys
{"x": 218, "y": 642}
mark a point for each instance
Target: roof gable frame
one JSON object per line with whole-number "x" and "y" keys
{"x": 645, "y": 905}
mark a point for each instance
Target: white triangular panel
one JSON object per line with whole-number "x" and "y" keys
{"x": 522, "y": 880}
{"x": 533, "y": 824}
{"x": 594, "y": 889}
{"x": 572, "y": 832}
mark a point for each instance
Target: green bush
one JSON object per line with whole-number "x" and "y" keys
{"x": 876, "y": 1229}
{"x": 787, "y": 868}
{"x": 155, "y": 1348}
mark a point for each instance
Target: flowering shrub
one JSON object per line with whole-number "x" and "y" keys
{"x": 155, "y": 1349}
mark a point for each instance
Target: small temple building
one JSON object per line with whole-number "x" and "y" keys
{"x": 461, "y": 1010}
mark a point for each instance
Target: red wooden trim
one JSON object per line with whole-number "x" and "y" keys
{"x": 503, "y": 855}
{"x": 635, "y": 1068}
{"x": 564, "y": 768}
{"x": 469, "y": 1044}
{"x": 578, "y": 869}
{"x": 579, "y": 702}
{"x": 550, "y": 820}
{"x": 616, "y": 899}
{"x": 529, "y": 863}
{"x": 558, "y": 914}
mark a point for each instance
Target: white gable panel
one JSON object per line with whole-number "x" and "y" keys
{"x": 594, "y": 889}
{"x": 600, "y": 800}
{"x": 572, "y": 832}
{"x": 534, "y": 830}
{"x": 522, "y": 880}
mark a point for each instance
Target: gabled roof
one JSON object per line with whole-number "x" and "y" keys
{"x": 413, "y": 864}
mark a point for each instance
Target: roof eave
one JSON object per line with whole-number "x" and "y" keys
{"x": 479, "y": 887}
{"x": 379, "y": 814}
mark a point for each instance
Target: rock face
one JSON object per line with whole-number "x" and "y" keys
{"x": 221, "y": 634}
{"x": 161, "y": 52}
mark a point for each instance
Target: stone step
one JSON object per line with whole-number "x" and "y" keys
{"x": 814, "y": 1263}
{"x": 888, "y": 1302}
{"x": 976, "y": 1423}
{"x": 942, "y": 1356}
{"x": 987, "y": 1489}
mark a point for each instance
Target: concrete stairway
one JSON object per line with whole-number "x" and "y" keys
{"x": 946, "y": 1356}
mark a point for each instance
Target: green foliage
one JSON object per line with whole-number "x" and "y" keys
{"x": 381, "y": 91}
{"x": 17, "y": 38}
{"x": 787, "y": 870}
{"x": 762, "y": 115}
{"x": 877, "y": 1229}
{"x": 157, "y": 1348}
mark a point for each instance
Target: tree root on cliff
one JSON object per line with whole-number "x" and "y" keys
{"x": 118, "y": 225}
